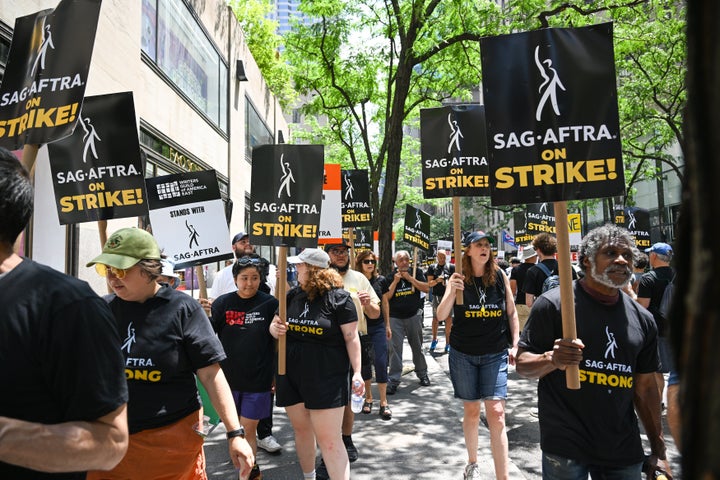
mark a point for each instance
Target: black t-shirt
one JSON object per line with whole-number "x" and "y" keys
{"x": 380, "y": 285}
{"x": 597, "y": 423}
{"x": 59, "y": 349}
{"x": 480, "y": 324}
{"x": 243, "y": 325}
{"x": 519, "y": 274}
{"x": 165, "y": 341}
{"x": 436, "y": 271}
{"x": 535, "y": 277}
{"x": 406, "y": 301}
{"x": 652, "y": 285}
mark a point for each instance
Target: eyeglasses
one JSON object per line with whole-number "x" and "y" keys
{"x": 103, "y": 271}
{"x": 340, "y": 252}
{"x": 369, "y": 262}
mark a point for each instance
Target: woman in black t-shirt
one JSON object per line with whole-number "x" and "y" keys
{"x": 485, "y": 325}
{"x": 167, "y": 340}
{"x": 322, "y": 344}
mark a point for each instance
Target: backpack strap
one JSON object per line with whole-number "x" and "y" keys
{"x": 544, "y": 268}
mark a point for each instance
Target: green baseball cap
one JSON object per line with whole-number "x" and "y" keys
{"x": 126, "y": 247}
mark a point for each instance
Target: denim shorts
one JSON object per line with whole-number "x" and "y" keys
{"x": 479, "y": 377}
{"x": 555, "y": 467}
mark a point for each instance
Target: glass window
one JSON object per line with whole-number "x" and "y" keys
{"x": 172, "y": 38}
{"x": 256, "y": 130}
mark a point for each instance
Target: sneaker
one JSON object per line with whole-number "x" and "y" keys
{"x": 424, "y": 381}
{"x": 321, "y": 472}
{"x": 255, "y": 473}
{"x": 472, "y": 472}
{"x": 352, "y": 451}
{"x": 269, "y": 444}
{"x": 433, "y": 345}
{"x": 447, "y": 348}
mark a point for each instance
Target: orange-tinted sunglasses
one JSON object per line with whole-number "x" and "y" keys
{"x": 103, "y": 271}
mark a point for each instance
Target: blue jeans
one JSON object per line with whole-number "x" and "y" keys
{"x": 555, "y": 467}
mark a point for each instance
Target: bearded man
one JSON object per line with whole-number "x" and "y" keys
{"x": 594, "y": 430}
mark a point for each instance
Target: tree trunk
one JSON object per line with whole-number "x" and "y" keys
{"x": 695, "y": 320}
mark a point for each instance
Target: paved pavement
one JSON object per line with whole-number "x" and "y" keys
{"x": 424, "y": 439}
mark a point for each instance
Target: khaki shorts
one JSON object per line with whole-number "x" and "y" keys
{"x": 523, "y": 314}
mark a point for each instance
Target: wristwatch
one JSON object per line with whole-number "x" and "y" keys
{"x": 240, "y": 432}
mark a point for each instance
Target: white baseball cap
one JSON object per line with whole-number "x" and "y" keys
{"x": 311, "y": 256}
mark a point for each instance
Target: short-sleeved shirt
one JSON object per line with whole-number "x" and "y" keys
{"x": 480, "y": 325}
{"x": 60, "y": 350}
{"x": 535, "y": 277}
{"x": 406, "y": 301}
{"x": 597, "y": 423}
{"x": 652, "y": 285}
{"x": 353, "y": 282}
{"x": 165, "y": 340}
{"x": 243, "y": 325}
{"x": 317, "y": 362}
{"x": 519, "y": 274}
{"x": 380, "y": 285}
{"x": 436, "y": 271}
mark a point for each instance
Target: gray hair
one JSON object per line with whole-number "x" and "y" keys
{"x": 601, "y": 236}
{"x": 401, "y": 253}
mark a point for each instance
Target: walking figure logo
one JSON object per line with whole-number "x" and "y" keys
{"x": 362, "y": 236}
{"x": 287, "y": 177}
{"x": 631, "y": 223}
{"x": 89, "y": 137}
{"x": 130, "y": 339}
{"x": 418, "y": 224}
{"x": 611, "y": 344}
{"x": 543, "y": 207}
{"x": 305, "y": 311}
{"x": 455, "y": 134}
{"x": 193, "y": 234}
{"x": 549, "y": 86}
{"x": 42, "y": 51}
{"x": 348, "y": 187}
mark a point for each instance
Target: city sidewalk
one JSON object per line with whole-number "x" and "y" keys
{"x": 424, "y": 439}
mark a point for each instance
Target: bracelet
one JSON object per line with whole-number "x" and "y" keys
{"x": 240, "y": 432}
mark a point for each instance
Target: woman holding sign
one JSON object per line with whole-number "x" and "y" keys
{"x": 322, "y": 346}
{"x": 485, "y": 325}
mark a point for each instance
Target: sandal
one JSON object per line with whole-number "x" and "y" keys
{"x": 385, "y": 412}
{"x": 367, "y": 407}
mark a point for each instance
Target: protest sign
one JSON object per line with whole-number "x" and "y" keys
{"x": 417, "y": 228}
{"x": 356, "y": 210}
{"x": 637, "y": 221}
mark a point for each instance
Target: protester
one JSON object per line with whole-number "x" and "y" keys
{"x": 59, "y": 412}
{"x": 322, "y": 345}
{"x": 437, "y": 276}
{"x": 594, "y": 430}
{"x": 640, "y": 266}
{"x": 242, "y": 321}
{"x": 485, "y": 326}
{"x": 167, "y": 274}
{"x": 225, "y": 283}
{"x": 649, "y": 295}
{"x": 546, "y": 247}
{"x": 379, "y": 333}
{"x": 517, "y": 284}
{"x": 168, "y": 341}
{"x": 406, "y": 319}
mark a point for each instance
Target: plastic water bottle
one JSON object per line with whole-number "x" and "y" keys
{"x": 356, "y": 401}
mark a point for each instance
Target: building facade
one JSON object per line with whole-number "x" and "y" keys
{"x": 200, "y": 102}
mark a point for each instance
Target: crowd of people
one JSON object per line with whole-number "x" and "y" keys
{"x": 135, "y": 412}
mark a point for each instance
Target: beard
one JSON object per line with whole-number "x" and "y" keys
{"x": 604, "y": 277}
{"x": 341, "y": 269}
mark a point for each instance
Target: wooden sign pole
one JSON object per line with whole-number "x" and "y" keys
{"x": 457, "y": 245}
{"x": 281, "y": 293}
{"x": 567, "y": 297}
{"x": 351, "y": 250}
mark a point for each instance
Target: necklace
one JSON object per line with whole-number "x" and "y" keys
{"x": 480, "y": 293}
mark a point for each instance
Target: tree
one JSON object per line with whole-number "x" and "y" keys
{"x": 368, "y": 66}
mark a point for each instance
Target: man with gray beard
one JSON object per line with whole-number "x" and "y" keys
{"x": 594, "y": 430}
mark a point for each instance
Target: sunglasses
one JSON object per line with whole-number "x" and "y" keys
{"x": 246, "y": 262}
{"x": 103, "y": 271}
{"x": 369, "y": 262}
{"x": 340, "y": 252}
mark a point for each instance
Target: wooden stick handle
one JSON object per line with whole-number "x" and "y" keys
{"x": 567, "y": 297}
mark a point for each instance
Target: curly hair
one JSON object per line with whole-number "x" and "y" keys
{"x": 489, "y": 276}
{"x": 601, "y": 236}
{"x": 546, "y": 243}
{"x": 320, "y": 281}
{"x": 362, "y": 256}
